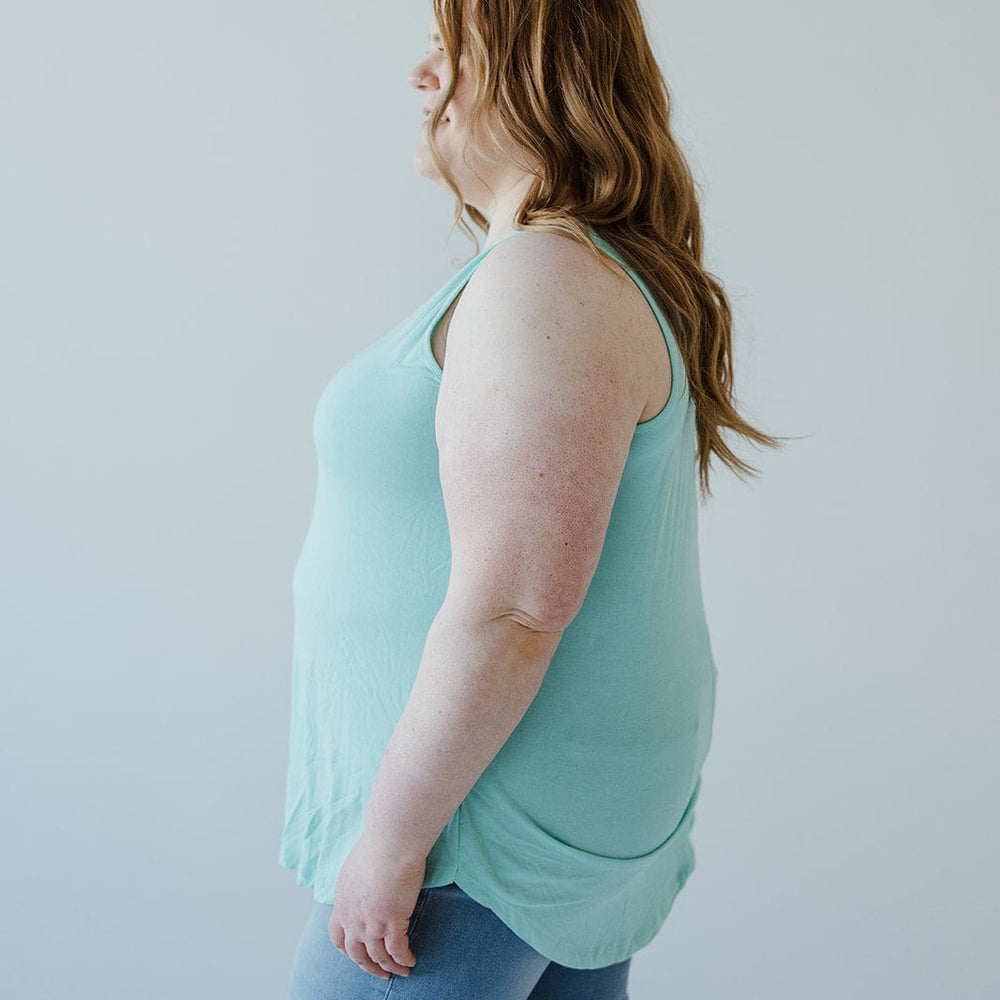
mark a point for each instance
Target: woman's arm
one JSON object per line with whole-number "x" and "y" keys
{"x": 475, "y": 682}
{"x": 536, "y": 411}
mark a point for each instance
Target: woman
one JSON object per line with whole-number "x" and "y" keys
{"x": 504, "y": 687}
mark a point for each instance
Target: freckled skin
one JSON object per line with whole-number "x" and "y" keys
{"x": 538, "y": 403}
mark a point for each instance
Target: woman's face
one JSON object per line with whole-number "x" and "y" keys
{"x": 431, "y": 76}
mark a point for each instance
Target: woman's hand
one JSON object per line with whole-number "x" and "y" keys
{"x": 374, "y": 897}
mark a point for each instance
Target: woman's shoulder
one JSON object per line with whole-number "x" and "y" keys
{"x": 553, "y": 272}
{"x": 536, "y": 256}
{"x": 585, "y": 301}
{"x": 556, "y": 274}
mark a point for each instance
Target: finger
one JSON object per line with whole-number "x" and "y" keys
{"x": 376, "y": 948}
{"x": 336, "y": 932}
{"x": 357, "y": 953}
{"x": 398, "y": 946}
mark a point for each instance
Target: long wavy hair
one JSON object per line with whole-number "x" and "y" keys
{"x": 575, "y": 85}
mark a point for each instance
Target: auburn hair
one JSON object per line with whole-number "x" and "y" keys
{"x": 575, "y": 85}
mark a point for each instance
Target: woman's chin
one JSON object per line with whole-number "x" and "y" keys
{"x": 424, "y": 165}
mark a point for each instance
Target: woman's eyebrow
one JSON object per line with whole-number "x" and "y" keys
{"x": 435, "y": 37}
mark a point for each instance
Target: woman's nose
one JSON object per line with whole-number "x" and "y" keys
{"x": 419, "y": 75}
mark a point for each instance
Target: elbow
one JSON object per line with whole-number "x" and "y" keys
{"x": 550, "y": 617}
{"x": 541, "y": 598}
{"x": 554, "y": 613}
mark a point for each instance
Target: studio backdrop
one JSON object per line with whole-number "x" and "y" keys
{"x": 201, "y": 201}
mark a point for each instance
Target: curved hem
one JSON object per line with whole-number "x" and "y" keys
{"x": 590, "y": 958}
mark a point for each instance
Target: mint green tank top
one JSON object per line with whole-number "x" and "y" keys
{"x": 578, "y": 833}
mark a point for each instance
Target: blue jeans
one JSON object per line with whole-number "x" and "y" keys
{"x": 464, "y": 952}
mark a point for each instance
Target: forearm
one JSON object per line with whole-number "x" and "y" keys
{"x": 475, "y": 682}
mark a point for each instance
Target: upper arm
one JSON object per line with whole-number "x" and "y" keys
{"x": 535, "y": 416}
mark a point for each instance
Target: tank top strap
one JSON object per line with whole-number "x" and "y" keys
{"x": 680, "y": 393}
{"x": 482, "y": 253}
{"x": 441, "y": 302}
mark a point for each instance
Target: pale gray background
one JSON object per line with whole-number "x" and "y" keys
{"x": 208, "y": 206}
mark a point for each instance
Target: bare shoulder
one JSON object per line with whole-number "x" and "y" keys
{"x": 537, "y": 280}
{"x": 535, "y": 416}
{"x": 555, "y": 267}
{"x": 546, "y": 285}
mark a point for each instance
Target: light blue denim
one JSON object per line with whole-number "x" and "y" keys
{"x": 463, "y": 951}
